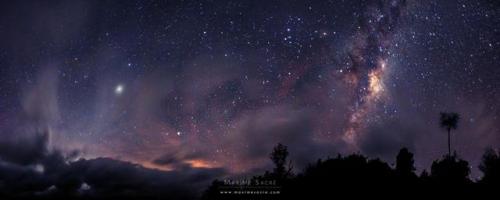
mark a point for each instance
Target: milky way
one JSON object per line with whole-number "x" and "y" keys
{"x": 369, "y": 55}
{"x": 197, "y": 85}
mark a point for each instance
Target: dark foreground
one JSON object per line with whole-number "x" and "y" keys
{"x": 334, "y": 178}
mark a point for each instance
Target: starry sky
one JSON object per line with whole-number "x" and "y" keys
{"x": 172, "y": 85}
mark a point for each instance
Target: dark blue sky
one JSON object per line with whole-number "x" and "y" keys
{"x": 216, "y": 84}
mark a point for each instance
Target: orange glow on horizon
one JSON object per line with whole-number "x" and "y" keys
{"x": 199, "y": 163}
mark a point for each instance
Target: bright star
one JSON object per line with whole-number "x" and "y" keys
{"x": 119, "y": 89}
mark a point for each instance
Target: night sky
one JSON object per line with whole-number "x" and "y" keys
{"x": 194, "y": 86}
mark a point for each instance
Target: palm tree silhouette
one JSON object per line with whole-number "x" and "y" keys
{"x": 449, "y": 121}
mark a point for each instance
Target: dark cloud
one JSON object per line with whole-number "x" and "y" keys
{"x": 177, "y": 158}
{"x": 29, "y": 169}
{"x": 103, "y": 178}
{"x": 24, "y": 150}
{"x": 117, "y": 178}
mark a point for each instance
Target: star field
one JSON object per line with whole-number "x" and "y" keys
{"x": 216, "y": 84}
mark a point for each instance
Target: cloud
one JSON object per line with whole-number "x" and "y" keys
{"x": 39, "y": 103}
{"x": 34, "y": 170}
{"x": 118, "y": 178}
{"x": 24, "y": 150}
{"x": 103, "y": 178}
{"x": 179, "y": 159}
{"x": 257, "y": 133}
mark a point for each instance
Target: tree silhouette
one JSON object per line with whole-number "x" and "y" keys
{"x": 279, "y": 158}
{"x": 450, "y": 171}
{"x": 490, "y": 166}
{"x": 349, "y": 175}
{"x": 404, "y": 162}
{"x": 449, "y": 121}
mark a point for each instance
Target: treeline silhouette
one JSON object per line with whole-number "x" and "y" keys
{"x": 357, "y": 176}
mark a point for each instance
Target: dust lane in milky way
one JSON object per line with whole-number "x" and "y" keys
{"x": 371, "y": 50}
